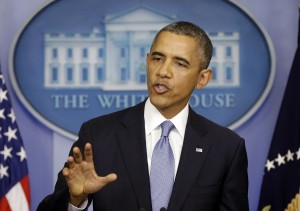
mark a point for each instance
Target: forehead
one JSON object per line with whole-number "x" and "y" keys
{"x": 171, "y": 41}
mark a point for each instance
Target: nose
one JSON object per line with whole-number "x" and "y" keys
{"x": 164, "y": 70}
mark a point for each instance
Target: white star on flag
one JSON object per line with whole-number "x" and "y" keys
{"x": 298, "y": 154}
{"x": 2, "y": 113}
{"x": 22, "y": 154}
{"x": 270, "y": 165}
{"x": 11, "y": 134}
{"x": 280, "y": 159}
{"x": 12, "y": 115}
{"x": 3, "y": 95}
{"x": 3, "y": 171}
{"x": 290, "y": 156}
{"x": 6, "y": 152}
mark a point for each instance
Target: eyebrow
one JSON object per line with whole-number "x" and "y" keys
{"x": 176, "y": 57}
{"x": 157, "y": 53}
{"x": 183, "y": 60}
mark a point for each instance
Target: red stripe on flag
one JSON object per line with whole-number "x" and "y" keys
{"x": 4, "y": 206}
{"x": 25, "y": 185}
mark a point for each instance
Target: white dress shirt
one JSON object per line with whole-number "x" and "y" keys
{"x": 153, "y": 119}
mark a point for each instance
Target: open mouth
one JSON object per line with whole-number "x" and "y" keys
{"x": 160, "y": 88}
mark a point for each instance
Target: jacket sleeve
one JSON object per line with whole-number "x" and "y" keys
{"x": 59, "y": 199}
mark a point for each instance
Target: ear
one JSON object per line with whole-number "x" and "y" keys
{"x": 204, "y": 77}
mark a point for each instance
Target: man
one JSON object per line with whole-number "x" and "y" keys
{"x": 210, "y": 161}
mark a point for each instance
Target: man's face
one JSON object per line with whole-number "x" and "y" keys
{"x": 173, "y": 71}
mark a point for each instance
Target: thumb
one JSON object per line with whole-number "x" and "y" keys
{"x": 109, "y": 178}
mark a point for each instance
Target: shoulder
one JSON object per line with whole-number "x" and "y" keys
{"x": 216, "y": 133}
{"x": 223, "y": 143}
{"x": 116, "y": 118}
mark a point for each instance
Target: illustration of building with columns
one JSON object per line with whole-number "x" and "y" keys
{"x": 114, "y": 58}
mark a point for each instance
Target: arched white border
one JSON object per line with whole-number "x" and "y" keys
{"x": 71, "y": 136}
{"x": 16, "y": 87}
{"x": 270, "y": 82}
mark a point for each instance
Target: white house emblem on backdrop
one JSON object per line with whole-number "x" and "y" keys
{"x": 88, "y": 60}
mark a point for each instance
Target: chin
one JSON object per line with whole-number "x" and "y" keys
{"x": 158, "y": 101}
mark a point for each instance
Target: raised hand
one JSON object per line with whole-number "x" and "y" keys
{"x": 81, "y": 176}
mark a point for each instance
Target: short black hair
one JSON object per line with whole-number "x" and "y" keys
{"x": 191, "y": 30}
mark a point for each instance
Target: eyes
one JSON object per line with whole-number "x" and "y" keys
{"x": 157, "y": 58}
{"x": 181, "y": 64}
{"x": 178, "y": 62}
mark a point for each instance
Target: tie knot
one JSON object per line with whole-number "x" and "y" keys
{"x": 166, "y": 127}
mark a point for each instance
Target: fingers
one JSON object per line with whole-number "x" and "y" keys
{"x": 71, "y": 162}
{"x": 88, "y": 152}
{"x": 65, "y": 172}
{"x": 77, "y": 155}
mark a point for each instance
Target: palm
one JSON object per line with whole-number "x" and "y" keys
{"x": 81, "y": 177}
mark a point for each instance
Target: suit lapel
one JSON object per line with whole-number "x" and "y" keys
{"x": 194, "y": 152}
{"x": 133, "y": 148}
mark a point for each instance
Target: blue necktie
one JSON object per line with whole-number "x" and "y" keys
{"x": 162, "y": 169}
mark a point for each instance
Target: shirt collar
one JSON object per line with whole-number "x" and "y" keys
{"x": 153, "y": 118}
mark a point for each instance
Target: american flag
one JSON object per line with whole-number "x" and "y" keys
{"x": 14, "y": 181}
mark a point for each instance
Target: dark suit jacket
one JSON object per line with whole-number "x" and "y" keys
{"x": 212, "y": 180}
